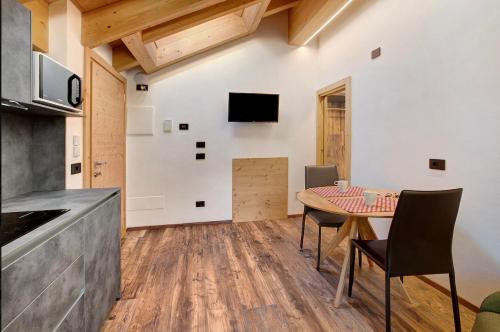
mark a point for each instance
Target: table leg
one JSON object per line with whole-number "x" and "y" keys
{"x": 367, "y": 233}
{"x": 366, "y": 229}
{"x": 337, "y": 239}
{"x": 343, "y": 274}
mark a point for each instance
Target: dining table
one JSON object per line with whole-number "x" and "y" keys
{"x": 356, "y": 221}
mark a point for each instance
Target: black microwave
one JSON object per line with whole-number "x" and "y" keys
{"x": 55, "y": 85}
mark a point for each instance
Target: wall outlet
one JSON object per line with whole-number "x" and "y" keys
{"x": 200, "y": 203}
{"x": 200, "y": 156}
{"x": 200, "y": 145}
{"x": 76, "y": 168}
{"x": 438, "y": 164}
{"x": 183, "y": 126}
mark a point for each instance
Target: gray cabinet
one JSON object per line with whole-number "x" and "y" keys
{"x": 75, "y": 319}
{"x": 70, "y": 281}
{"x": 25, "y": 279}
{"x": 102, "y": 262}
{"x": 51, "y": 306}
{"x": 16, "y": 51}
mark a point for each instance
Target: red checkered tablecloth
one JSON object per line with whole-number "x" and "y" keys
{"x": 334, "y": 191}
{"x": 357, "y": 204}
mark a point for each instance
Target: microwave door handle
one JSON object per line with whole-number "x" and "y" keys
{"x": 78, "y": 98}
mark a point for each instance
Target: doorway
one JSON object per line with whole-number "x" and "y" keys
{"x": 105, "y": 118}
{"x": 333, "y": 143}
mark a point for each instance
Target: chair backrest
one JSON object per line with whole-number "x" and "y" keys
{"x": 421, "y": 232}
{"x": 321, "y": 176}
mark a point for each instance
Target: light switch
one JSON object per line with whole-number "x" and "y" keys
{"x": 167, "y": 125}
{"x": 76, "y": 151}
{"x": 76, "y": 140}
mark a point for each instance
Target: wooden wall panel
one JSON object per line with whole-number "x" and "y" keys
{"x": 260, "y": 189}
{"x": 39, "y": 23}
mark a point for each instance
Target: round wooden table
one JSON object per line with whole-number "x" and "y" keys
{"x": 349, "y": 228}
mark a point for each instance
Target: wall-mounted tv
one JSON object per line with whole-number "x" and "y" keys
{"x": 253, "y": 107}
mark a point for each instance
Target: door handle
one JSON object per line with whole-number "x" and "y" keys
{"x": 100, "y": 163}
{"x": 96, "y": 174}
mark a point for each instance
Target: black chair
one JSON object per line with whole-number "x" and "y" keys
{"x": 320, "y": 176}
{"x": 419, "y": 242}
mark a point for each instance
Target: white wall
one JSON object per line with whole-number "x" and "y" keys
{"x": 65, "y": 21}
{"x": 434, "y": 93}
{"x": 105, "y": 51}
{"x": 65, "y": 47}
{"x": 196, "y": 92}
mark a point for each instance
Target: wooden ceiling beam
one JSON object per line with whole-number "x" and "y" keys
{"x": 199, "y": 39}
{"x": 277, "y": 6}
{"x": 123, "y": 59}
{"x": 145, "y": 54}
{"x": 188, "y": 21}
{"x": 199, "y": 33}
{"x": 309, "y": 17}
{"x": 253, "y": 15}
{"x": 123, "y": 18}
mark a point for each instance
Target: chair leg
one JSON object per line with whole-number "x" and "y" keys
{"x": 360, "y": 257}
{"x": 454, "y": 301}
{"x": 303, "y": 228}
{"x": 319, "y": 249}
{"x": 387, "y": 303}
{"x": 351, "y": 269}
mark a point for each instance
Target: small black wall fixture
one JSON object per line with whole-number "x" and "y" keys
{"x": 376, "y": 53}
{"x": 76, "y": 168}
{"x": 142, "y": 87}
{"x": 438, "y": 164}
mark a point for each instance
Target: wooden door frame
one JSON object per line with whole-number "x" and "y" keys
{"x": 90, "y": 55}
{"x": 344, "y": 84}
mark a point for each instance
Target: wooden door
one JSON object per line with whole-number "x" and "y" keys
{"x": 105, "y": 128}
{"x": 334, "y": 148}
{"x": 334, "y": 127}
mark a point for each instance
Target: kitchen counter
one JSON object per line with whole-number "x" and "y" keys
{"x": 79, "y": 201}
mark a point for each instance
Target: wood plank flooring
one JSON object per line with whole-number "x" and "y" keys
{"x": 252, "y": 277}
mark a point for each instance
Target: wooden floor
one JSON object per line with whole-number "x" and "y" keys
{"x": 252, "y": 277}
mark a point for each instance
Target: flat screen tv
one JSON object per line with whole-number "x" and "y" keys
{"x": 253, "y": 107}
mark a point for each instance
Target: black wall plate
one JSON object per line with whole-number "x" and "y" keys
{"x": 76, "y": 168}
{"x": 141, "y": 87}
{"x": 376, "y": 53}
{"x": 200, "y": 145}
{"x": 183, "y": 126}
{"x": 439, "y": 164}
{"x": 200, "y": 203}
{"x": 200, "y": 156}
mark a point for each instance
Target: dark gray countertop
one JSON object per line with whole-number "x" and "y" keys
{"x": 79, "y": 201}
